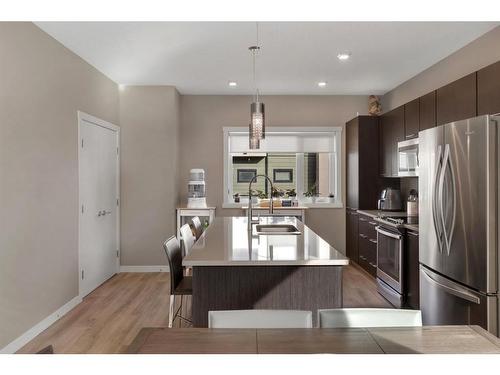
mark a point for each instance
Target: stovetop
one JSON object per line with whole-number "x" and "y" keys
{"x": 400, "y": 220}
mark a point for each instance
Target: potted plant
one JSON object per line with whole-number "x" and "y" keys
{"x": 311, "y": 193}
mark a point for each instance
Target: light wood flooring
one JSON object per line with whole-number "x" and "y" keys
{"x": 110, "y": 317}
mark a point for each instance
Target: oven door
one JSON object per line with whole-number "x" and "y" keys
{"x": 408, "y": 158}
{"x": 390, "y": 258}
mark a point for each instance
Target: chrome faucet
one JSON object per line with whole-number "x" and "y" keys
{"x": 271, "y": 208}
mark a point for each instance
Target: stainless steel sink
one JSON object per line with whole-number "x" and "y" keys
{"x": 276, "y": 229}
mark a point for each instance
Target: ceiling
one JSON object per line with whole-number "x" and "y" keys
{"x": 202, "y": 57}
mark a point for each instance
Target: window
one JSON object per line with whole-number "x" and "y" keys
{"x": 303, "y": 164}
{"x": 283, "y": 175}
{"x": 245, "y": 175}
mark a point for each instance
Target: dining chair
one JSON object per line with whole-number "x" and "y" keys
{"x": 368, "y": 317}
{"x": 196, "y": 224}
{"x": 188, "y": 238}
{"x": 180, "y": 285}
{"x": 260, "y": 319}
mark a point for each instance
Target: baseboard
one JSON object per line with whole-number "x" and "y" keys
{"x": 34, "y": 331}
{"x": 143, "y": 268}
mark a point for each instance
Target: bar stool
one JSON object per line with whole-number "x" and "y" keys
{"x": 260, "y": 319}
{"x": 180, "y": 285}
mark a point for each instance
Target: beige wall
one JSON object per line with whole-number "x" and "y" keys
{"x": 474, "y": 56}
{"x": 202, "y": 120}
{"x": 42, "y": 86}
{"x": 149, "y": 120}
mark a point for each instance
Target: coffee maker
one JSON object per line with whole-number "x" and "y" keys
{"x": 390, "y": 200}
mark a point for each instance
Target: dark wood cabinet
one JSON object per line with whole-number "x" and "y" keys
{"x": 488, "y": 90}
{"x": 457, "y": 101}
{"x": 392, "y": 131}
{"x": 352, "y": 234}
{"x": 427, "y": 111}
{"x": 412, "y": 274}
{"x": 367, "y": 244}
{"x": 412, "y": 119}
{"x": 362, "y": 162}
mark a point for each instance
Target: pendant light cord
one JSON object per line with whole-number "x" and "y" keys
{"x": 254, "y": 51}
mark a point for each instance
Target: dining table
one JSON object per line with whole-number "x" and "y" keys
{"x": 457, "y": 339}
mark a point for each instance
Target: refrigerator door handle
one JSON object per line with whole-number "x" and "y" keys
{"x": 449, "y": 237}
{"x": 458, "y": 293}
{"x": 435, "y": 205}
{"x": 444, "y": 165}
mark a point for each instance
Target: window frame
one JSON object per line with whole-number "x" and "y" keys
{"x": 335, "y": 157}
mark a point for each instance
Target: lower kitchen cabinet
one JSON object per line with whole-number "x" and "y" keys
{"x": 367, "y": 244}
{"x": 412, "y": 274}
{"x": 352, "y": 234}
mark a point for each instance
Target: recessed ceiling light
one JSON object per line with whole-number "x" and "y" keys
{"x": 322, "y": 84}
{"x": 232, "y": 84}
{"x": 344, "y": 56}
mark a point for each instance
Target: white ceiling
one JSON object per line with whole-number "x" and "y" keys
{"x": 200, "y": 58}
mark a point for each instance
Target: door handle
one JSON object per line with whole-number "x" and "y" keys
{"x": 454, "y": 201}
{"x": 435, "y": 205}
{"x": 447, "y": 164}
{"x": 458, "y": 293}
{"x": 388, "y": 234}
{"x": 103, "y": 213}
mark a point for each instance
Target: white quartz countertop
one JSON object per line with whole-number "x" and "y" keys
{"x": 227, "y": 242}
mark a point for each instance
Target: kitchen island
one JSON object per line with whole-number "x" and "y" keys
{"x": 236, "y": 269}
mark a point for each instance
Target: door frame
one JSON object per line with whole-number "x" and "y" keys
{"x": 82, "y": 116}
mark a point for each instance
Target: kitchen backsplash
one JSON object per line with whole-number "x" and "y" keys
{"x": 407, "y": 184}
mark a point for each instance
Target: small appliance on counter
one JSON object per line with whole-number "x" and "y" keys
{"x": 412, "y": 203}
{"x": 390, "y": 200}
{"x": 196, "y": 189}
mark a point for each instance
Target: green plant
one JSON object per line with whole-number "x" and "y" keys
{"x": 259, "y": 193}
{"x": 291, "y": 193}
{"x": 277, "y": 192}
{"x": 312, "y": 191}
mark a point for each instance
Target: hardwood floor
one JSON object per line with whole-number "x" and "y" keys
{"x": 110, "y": 317}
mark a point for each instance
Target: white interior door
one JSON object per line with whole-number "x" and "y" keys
{"x": 99, "y": 202}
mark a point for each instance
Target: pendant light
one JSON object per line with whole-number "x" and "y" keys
{"x": 257, "y": 127}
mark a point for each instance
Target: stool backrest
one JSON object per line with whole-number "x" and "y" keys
{"x": 174, "y": 257}
{"x": 196, "y": 223}
{"x": 260, "y": 319}
{"x": 188, "y": 238}
{"x": 369, "y": 317}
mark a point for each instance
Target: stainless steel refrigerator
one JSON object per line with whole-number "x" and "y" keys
{"x": 458, "y": 223}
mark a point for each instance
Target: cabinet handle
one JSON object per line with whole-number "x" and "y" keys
{"x": 411, "y": 135}
{"x": 413, "y": 233}
{"x": 362, "y": 257}
{"x": 363, "y": 235}
{"x": 361, "y": 219}
{"x": 373, "y": 265}
{"x": 372, "y": 223}
{"x": 372, "y": 240}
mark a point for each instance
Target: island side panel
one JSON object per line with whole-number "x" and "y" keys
{"x": 264, "y": 287}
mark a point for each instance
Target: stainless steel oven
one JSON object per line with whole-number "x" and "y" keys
{"x": 390, "y": 264}
{"x": 408, "y": 158}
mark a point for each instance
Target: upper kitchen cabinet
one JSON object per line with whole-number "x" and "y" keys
{"x": 392, "y": 131}
{"x": 412, "y": 119}
{"x": 488, "y": 90}
{"x": 457, "y": 101}
{"x": 427, "y": 111}
{"x": 362, "y": 162}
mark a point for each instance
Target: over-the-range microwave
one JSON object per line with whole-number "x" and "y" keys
{"x": 408, "y": 158}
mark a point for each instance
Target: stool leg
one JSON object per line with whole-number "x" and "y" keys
{"x": 171, "y": 311}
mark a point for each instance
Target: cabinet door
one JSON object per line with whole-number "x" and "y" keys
{"x": 427, "y": 111}
{"x": 457, "y": 101}
{"x": 412, "y": 281}
{"x": 384, "y": 146}
{"x": 397, "y": 135}
{"x": 488, "y": 90}
{"x": 352, "y": 235}
{"x": 412, "y": 119}
{"x": 352, "y": 162}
